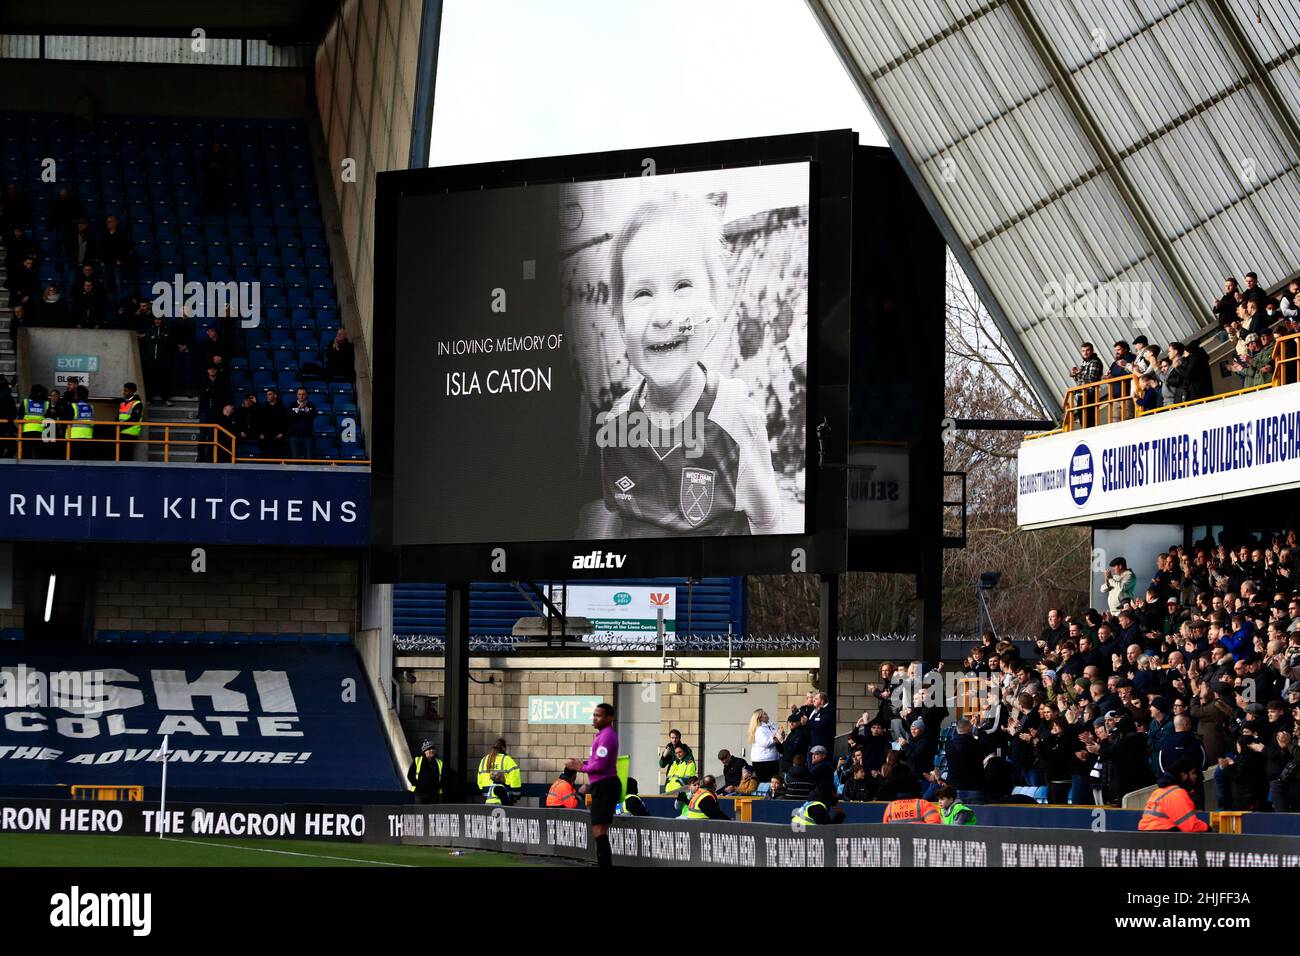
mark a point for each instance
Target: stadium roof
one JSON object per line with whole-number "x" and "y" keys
{"x": 1091, "y": 141}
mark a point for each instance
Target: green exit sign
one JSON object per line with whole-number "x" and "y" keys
{"x": 76, "y": 363}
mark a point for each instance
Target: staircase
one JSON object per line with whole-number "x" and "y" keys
{"x": 8, "y": 358}
{"x": 184, "y": 409}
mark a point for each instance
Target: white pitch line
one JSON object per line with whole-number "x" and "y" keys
{"x": 314, "y": 856}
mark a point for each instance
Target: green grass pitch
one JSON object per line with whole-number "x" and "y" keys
{"x": 70, "y": 851}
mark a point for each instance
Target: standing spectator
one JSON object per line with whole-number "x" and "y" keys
{"x": 156, "y": 351}
{"x": 302, "y": 419}
{"x": 216, "y": 177}
{"x": 1159, "y": 730}
{"x": 214, "y": 350}
{"x": 1252, "y": 292}
{"x": 182, "y": 331}
{"x": 53, "y": 311}
{"x": 1122, "y": 368}
{"x": 1225, "y": 307}
{"x": 15, "y": 210}
{"x": 65, "y": 212}
{"x": 340, "y": 358}
{"x": 667, "y": 753}
{"x": 272, "y": 425}
{"x": 1181, "y": 744}
{"x": 965, "y": 754}
{"x": 1056, "y": 760}
{"x": 18, "y": 246}
{"x": 1091, "y": 370}
{"x": 1119, "y": 585}
{"x": 1055, "y": 631}
{"x": 226, "y": 419}
{"x": 1200, "y": 381}
{"x": 764, "y": 740}
{"x": 23, "y": 284}
{"x": 820, "y": 766}
{"x": 214, "y": 395}
{"x": 821, "y": 723}
{"x": 88, "y": 302}
{"x": 797, "y": 740}
{"x": 81, "y": 248}
{"x": 1178, "y": 381}
{"x": 114, "y": 255}
{"x": 244, "y": 419}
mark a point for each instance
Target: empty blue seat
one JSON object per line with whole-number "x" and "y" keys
{"x": 160, "y": 637}
{"x": 185, "y": 637}
{"x": 313, "y": 638}
{"x": 108, "y": 637}
{"x": 134, "y": 637}
{"x": 236, "y": 637}
{"x": 287, "y": 638}
{"x": 262, "y": 638}
{"x": 210, "y": 638}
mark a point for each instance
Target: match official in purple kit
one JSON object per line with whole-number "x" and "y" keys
{"x": 603, "y": 784}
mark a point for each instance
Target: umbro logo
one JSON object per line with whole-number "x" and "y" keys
{"x": 625, "y": 484}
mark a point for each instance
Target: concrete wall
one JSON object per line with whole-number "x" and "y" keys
{"x": 499, "y": 708}
{"x": 365, "y": 92}
{"x": 118, "y": 351}
{"x": 283, "y": 591}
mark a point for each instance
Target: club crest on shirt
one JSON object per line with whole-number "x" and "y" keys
{"x": 697, "y": 494}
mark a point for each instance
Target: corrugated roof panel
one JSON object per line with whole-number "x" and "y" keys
{"x": 1286, "y": 79}
{"x": 881, "y": 41}
{"x": 1006, "y": 56}
{"x": 1163, "y": 86}
{"x": 1273, "y": 33}
{"x": 917, "y": 21}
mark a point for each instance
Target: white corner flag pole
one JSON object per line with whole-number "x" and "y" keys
{"x": 162, "y": 802}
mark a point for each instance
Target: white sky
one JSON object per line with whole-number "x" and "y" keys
{"x": 522, "y": 78}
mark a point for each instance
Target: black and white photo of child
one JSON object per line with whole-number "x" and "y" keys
{"x": 686, "y": 310}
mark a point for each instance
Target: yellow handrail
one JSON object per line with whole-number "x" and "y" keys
{"x": 1084, "y": 405}
{"x": 219, "y": 442}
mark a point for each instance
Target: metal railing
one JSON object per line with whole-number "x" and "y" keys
{"x": 210, "y": 442}
{"x": 1110, "y": 400}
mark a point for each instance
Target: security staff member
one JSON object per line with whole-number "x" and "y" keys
{"x": 819, "y": 810}
{"x": 680, "y": 770}
{"x": 563, "y": 793}
{"x": 633, "y": 805}
{"x": 951, "y": 810}
{"x": 497, "y": 759}
{"x": 36, "y": 407}
{"x": 703, "y": 804}
{"x": 425, "y": 775}
{"x": 912, "y": 811}
{"x": 130, "y": 409}
{"x": 497, "y": 793}
{"x": 82, "y": 427}
{"x": 1170, "y": 805}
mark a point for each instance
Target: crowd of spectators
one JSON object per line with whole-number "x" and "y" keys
{"x": 1144, "y": 376}
{"x": 1198, "y": 666}
{"x": 179, "y": 357}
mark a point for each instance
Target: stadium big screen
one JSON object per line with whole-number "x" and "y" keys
{"x": 614, "y": 363}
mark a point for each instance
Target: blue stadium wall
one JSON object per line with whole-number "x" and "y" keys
{"x": 494, "y": 607}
